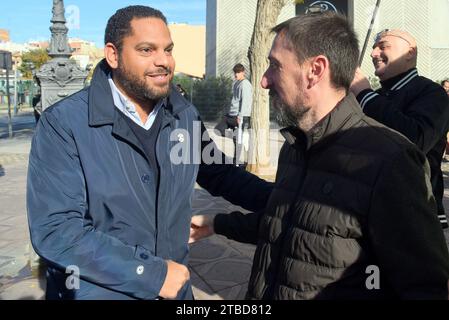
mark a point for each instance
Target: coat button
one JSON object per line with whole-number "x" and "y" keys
{"x": 140, "y": 270}
{"x": 144, "y": 256}
{"x": 145, "y": 178}
{"x": 327, "y": 188}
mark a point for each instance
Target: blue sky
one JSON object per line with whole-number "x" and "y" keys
{"x": 30, "y": 19}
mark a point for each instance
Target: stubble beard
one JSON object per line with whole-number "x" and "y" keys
{"x": 138, "y": 88}
{"x": 300, "y": 116}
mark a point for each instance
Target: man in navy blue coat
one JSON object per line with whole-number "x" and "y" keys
{"x": 109, "y": 201}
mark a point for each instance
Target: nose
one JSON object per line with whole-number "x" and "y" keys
{"x": 375, "y": 52}
{"x": 265, "y": 83}
{"x": 161, "y": 59}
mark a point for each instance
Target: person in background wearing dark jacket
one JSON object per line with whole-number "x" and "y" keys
{"x": 108, "y": 207}
{"x": 352, "y": 215}
{"x": 408, "y": 103}
{"x": 445, "y": 85}
{"x": 182, "y": 91}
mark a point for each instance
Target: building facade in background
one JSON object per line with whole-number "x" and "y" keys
{"x": 229, "y": 25}
{"x": 4, "y": 35}
{"x": 190, "y": 49}
{"x": 86, "y": 53}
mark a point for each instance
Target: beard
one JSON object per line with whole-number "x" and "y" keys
{"x": 138, "y": 88}
{"x": 287, "y": 116}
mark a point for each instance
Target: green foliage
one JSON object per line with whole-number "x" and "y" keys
{"x": 32, "y": 60}
{"x": 185, "y": 82}
{"x": 212, "y": 97}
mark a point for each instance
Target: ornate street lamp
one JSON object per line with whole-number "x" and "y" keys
{"x": 61, "y": 76}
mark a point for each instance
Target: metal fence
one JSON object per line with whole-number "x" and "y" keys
{"x": 26, "y": 90}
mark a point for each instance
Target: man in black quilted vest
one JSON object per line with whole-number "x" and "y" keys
{"x": 411, "y": 104}
{"x": 352, "y": 214}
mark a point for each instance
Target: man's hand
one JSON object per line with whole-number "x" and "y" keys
{"x": 359, "y": 83}
{"x": 202, "y": 226}
{"x": 177, "y": 276}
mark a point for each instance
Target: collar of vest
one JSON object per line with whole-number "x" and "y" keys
{"x": 400, "y": 81}
{"x": 346, "y": 113}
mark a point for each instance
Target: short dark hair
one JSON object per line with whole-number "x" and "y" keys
{"x": 238, "y": 68}
{"x": 119, "y": 25}
{"x": 328, "y": 34}
{"x": 443, "y": 82}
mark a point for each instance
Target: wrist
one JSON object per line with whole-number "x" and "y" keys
{"x": 211, "y": 222}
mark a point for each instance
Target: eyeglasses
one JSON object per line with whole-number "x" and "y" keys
{"x": 380, "y": 35}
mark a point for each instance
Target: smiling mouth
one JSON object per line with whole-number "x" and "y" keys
{"x": 379, "y": 62}
{"x": 158, "y": 75}
{"x": 161, "y": 78}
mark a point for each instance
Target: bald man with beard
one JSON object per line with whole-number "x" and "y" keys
{"x": 411, "y": 104}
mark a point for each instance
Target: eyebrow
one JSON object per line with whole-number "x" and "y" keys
{"x": 380, "y": 43}
{"x": 152, "y": 45}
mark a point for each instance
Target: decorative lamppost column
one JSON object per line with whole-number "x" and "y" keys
{"x": 61, "y": 76}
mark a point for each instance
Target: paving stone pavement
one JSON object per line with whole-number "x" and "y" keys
{"x": 220, "y": 267}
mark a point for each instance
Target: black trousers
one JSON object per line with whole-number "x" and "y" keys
{"x": 228, "y": 122}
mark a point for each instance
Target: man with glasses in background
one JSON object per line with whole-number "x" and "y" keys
{"x": 415, "y": 106}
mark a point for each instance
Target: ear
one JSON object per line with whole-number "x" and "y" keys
{"x": 318, "y": 68}
{"x": 412, "y": 52}
{"x": 112, "y": 55}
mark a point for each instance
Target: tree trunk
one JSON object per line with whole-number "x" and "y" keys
{"x": 266, "y": 17}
